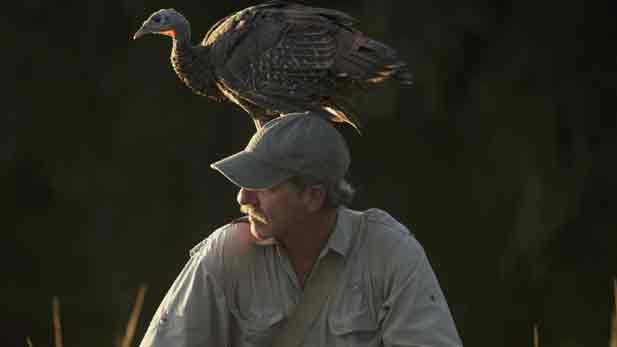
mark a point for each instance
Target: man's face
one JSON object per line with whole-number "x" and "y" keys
{"x": 273, "y": 212}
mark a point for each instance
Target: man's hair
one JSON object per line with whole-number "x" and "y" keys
{"x": 337, "y": 194}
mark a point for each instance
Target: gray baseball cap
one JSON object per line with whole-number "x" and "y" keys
{"x": 291, "y": 145}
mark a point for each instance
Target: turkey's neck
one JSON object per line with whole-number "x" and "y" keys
{"x": 192, "y": 65}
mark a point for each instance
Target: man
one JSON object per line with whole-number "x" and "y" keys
{"x": 243, "y": 282}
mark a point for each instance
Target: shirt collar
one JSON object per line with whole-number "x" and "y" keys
{"x": 340, "y": 239}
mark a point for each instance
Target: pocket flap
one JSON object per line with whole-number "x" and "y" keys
{"x": 352, "y": 322}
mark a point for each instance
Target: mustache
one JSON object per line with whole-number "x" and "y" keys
{"x": 251, "y": 211}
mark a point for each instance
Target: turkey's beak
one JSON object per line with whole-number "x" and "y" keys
{"x": 141, "y": 32}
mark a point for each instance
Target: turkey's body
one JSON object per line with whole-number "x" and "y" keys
{"x": 280, "y": 57}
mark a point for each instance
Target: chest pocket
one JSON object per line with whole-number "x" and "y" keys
{"x": 352, "y": 323}
{"x": 257, "y": 328}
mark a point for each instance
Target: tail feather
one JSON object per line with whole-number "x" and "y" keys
{"x": 343, "y": 112}
{"x": 370, "y": 61}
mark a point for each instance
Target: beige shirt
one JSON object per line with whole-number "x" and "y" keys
{"x": 234, "y": 293}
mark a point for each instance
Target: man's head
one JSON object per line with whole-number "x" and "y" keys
{"x": 292, "y": 169}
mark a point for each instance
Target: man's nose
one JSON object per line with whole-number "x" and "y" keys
{"x": 246, "y": 197}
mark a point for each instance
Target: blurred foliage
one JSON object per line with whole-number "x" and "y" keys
{"x": 501, "y": 158}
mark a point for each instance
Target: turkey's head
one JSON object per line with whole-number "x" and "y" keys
{"x": 165, "y": 22}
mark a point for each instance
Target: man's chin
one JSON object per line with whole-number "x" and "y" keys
{"x": 259, "y": 238}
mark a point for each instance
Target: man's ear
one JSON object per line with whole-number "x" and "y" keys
{"x": 315, "y": 197}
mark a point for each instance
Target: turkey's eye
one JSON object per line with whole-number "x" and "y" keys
{"x": 156, "y": 19}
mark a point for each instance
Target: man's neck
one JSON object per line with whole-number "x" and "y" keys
{"x": 304, "y": 245}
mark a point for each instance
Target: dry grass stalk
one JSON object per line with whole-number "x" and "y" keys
{"x": 613, "y": 340}
{"x": 134, "y": 318}
{"x": 29, "y": 341}
{"x": 536, "y": 336}
{"x": 55, "y": 309}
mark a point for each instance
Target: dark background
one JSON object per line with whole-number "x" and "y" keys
{"x": 501, "y": 158}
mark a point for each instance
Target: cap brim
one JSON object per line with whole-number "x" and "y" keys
{"x": 246, "y": 171}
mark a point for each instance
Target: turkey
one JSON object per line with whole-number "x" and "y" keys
{"x": 280, "y": 57}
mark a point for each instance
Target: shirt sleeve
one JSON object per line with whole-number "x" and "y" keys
{"x": 193, "y": 312}
{"x": 415, "y": 312}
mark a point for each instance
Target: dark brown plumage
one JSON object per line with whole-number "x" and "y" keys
{"x": 279, "y": 57}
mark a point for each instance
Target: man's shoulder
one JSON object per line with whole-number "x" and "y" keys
{"x": 378, "y": 219}
{"x": 383, "y": 224}
{"x": 387, "y": 246}
{"x": 216, "y": 241}
{"x": 228, "y": 246}
{"x": 384, "y": 232}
